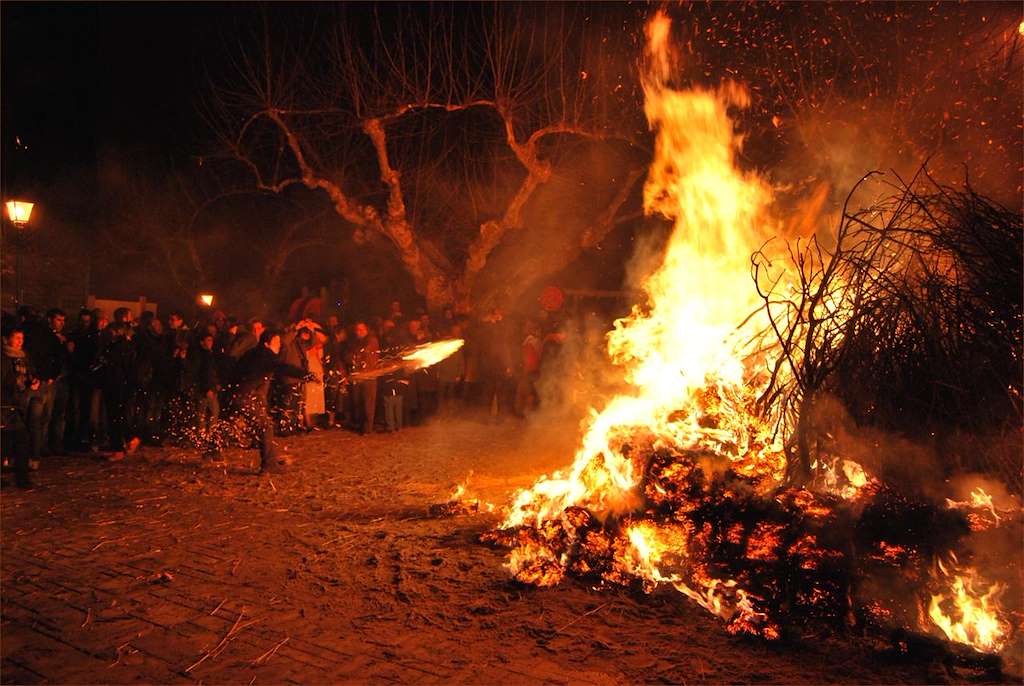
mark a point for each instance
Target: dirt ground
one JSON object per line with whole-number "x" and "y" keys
{"x": 167, "y": 568}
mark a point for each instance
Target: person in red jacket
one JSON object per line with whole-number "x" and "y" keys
{"x": 529, "y": 369}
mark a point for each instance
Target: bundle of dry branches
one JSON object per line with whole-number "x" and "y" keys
{"x": 912, "y": 319}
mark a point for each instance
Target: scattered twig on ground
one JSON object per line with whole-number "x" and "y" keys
{"x": 105, "y": 541}
{"x": 232, "y": 633}
{"x": 88, "y": 618}
{"x": 265, "y": 657}
{"x": 585, "y": 614}
{"x": 219, "y": 606}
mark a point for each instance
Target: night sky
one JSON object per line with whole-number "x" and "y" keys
{"x": 88, "y": 88}
{"x": 81, "y": 78}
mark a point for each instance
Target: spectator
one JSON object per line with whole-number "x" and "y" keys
{"x": 495, "y": 363}
{"x": 117, "y": 368}
{"x": 425, "y": 328}
{"x": 48, "y": 347}
{"x": 21, "y": 405}
{"x": 246, "y": 340}
{"x": 365, "y": 358}
{"x": 79, "y": 428}
{"x": 390, "y": 335}
{"x": 207, "y": 387}
{"x": 450, "y": 373}
{"x": 223, "y": 346}
{"x": 151, "y": 374}
{"x": 337, "y": 364}
{"x": 448, "y": 323}
{"x": 313, "y": 389}
{"x": 289, "y": 389}
{"x": 395, "y": 312}
{"x": 529, "y": 369}
{"x": 179, "y": 413}
{"x": 177, "y": 332}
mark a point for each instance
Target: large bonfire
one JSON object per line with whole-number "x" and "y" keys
{"x": 680, "y": 481}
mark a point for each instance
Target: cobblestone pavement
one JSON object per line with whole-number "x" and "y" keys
{"x": 168, "y": 568}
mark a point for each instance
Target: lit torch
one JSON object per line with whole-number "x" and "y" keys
{"x": 411, "y": 359}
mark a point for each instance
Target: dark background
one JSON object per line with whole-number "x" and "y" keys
{"x": 96, "y": 92}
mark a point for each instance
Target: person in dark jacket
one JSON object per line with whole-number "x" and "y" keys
{"x": 246, "y": 340}
{"x": 288, "y": 397}
{"x": 47, "y": 345}
{"x": 207, "y": 385}
{"x": 117, "y": 372}
{"x": 254, "y": 373}
{"x": 20, "y": 405}
{"x": 80, "y": 432}
{"x": 365, "y": 358}
{"x": 337, "y": 364}
{"x": 495, "y": 363}
{"x": 152, "y": 372}
{"x": 179, "y": 410}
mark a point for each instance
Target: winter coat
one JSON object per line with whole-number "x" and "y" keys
{"x": 116, "y": 366}
{"x": 205, "y": 371}
{"x": 48, "y": 351}
{"x": 257, "y": 368}
{"x": 87, "y": 349}
{"x": 292, "y": 355}
{"x": 365, "y": 353}
{"x": 16, "y": 376}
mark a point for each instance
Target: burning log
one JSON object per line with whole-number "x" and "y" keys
{"x": 766, "y": 561}
{"x": 459, "y": 504}
{"x": 454, "y": 508}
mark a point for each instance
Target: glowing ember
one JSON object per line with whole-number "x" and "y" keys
{"x": 844, "y": 478}
{"x": 430, "y": 354}
{"x": 966, "y": 613}
{"x": 980, "y": 500}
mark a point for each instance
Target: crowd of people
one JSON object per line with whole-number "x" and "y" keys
{"x": 111, "y": 385}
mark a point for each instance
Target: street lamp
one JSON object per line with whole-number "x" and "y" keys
{"x": 19, "y": 211}
{"x": 206, "y": 299}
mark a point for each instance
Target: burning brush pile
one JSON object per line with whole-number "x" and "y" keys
{"x": 686, "y": 481}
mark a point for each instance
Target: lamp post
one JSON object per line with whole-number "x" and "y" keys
{"x": 206, "y": 299}
{"x": 18, "y": 212}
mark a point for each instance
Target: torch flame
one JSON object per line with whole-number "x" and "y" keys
{"x": 430, "y": 354}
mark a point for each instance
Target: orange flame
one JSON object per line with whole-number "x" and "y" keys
{"x": 430, "y": 354}
{"x": 980, "y": 500}
{"x": 966, "y": 613}
{"x": 682, "y": 353}
{"x": 693, "y": 380}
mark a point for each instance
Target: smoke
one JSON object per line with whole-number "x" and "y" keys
{"x": 938, "y": 101}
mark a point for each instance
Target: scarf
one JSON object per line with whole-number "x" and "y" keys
{"x": 13, "y": 352}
